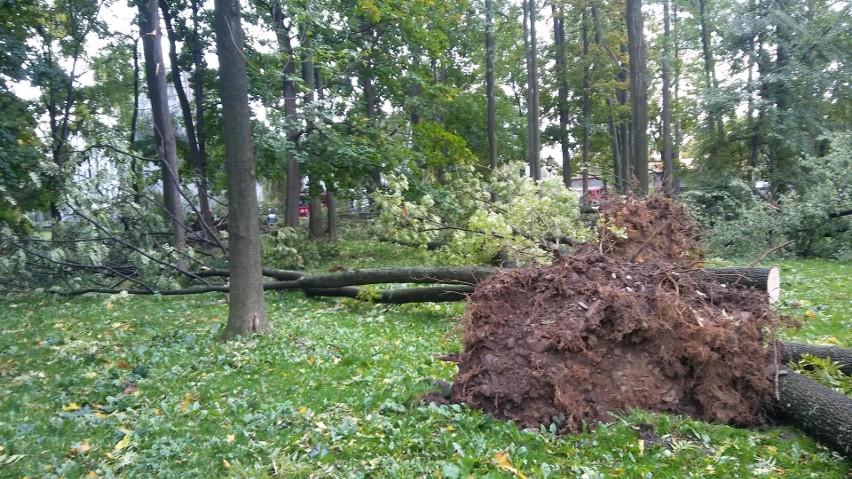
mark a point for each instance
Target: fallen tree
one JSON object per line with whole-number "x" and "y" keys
{"x": 763, "y": 279}
{"x": 458, "y": 281}
{"x": 792, "y": 352}
{"x": 818, "y": 411}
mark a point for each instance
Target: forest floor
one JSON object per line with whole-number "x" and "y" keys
{"x": 140, "y": 387}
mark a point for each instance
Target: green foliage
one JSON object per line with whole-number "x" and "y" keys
{"x": 138, "y": 386}
{"x": 826, "y": 372}
{"x": 286, "y": 248}
{"x": 814, "y": 216}
{"x": 459, "y": 211}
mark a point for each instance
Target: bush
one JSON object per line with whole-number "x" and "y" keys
{"x": 816, "y": 217}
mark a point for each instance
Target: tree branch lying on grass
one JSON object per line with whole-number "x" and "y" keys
{"x": 817, "y": 410}
{"x": 795, "y": 351}
{"x": 455, "y": 282}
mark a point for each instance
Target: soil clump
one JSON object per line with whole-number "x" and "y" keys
{"x": 626, "y": 323}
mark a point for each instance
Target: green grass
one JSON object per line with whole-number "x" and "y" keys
{"x": 818, "y": 294}
{"x": 140, "y": 387}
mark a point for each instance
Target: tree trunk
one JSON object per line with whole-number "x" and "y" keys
{"x": 196, "y": 155}
{"x": 714, "y": 118}
{"x": 818, "y": 411}
{"x": 763, "y": 279}
{"x": 795, "y": 351}
{"x": 639, "y": 93}
{"x": 134, "y": 119}
{"x": 198, "y": 95}
{"x": 562, "y": 95}
{"x": 366, "y": 79}
{"x": 668, "y": 166}
{"x": 155, "y": 74}
{"x": 491, "y": 122}
{"x": 247, "y": 309}
{"x": 587, "y": 106}
{"x": 533, "y": 126}
{"x": 437, "y": 294}
{"x": 333, "y": 230}
{"x": 293, "y": 184}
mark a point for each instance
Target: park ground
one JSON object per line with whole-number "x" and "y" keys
{"x": 121, "y": 386}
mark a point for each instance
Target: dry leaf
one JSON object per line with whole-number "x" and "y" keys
{"x": 123, "y": 443}
{"x": 502, "y": 461}
{"x": 225, "y": 463}
{"x": 71, "y": 407}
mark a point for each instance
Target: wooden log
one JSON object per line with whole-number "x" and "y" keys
{"x": 763, "y": 279}
{"x": 818, "y": 411}
{"x": 436, "y": 294}
{"x": 794, "y": 352}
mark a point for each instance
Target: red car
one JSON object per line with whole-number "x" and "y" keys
{"x": 304, "y": 203}
{"x": 597, "y": 187}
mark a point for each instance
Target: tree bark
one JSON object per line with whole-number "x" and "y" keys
{"x": 196, "y": 153}
{"x": 639, "y": 93}
{"x": 587, "y": 107}
{"x": 562, "y": 95}
{"x": 437, "y": 294}
{"x": 491, "y": 121}
{"x": 155, "y": 74}
{"x": 293, "y": 184}
{"x": 668, "y": 166}
{"x": 247, "y": 309}
{"x": 818, "y": 411}
{"x": 795, "y": 351}
{"x": 763, "y": 279}
{"x": 333, "y": 229}
{"x": 533, "y": 125}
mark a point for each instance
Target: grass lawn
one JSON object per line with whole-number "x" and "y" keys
{"x": 140, "y": 387}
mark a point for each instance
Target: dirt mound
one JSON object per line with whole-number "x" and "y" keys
{"x": 653, "y": 230}
{"x": 593, "y": 334}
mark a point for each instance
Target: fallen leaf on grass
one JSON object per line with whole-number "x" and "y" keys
{"x": 80, "y": 448}
{"x": 501, "y": 459}
{"x": 71, "y": 407}
{"x": 229, "y": 438}
{"x": 123, "y": 443}
{"x": 225, "y": 463}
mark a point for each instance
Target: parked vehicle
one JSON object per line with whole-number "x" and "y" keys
{"x": 305, "y": 203}
{"x": 597, "y": 187}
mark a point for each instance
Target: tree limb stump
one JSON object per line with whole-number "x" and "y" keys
{"x": 763, "y": 279}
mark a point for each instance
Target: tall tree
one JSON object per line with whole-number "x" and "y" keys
{"x": 164, "y": 132}
{"x": 638, "y": 93}
{"x": 247, "y": 309}
{"x": 668, "y": 168}
{"x": 197, "y": 154}
{"x": 587, "y": 102}
{"x": 293, "y": 184}
{"x": 562, "y": 95}
{"x": 491, "y": 121}
{"x": 533, "y": 122}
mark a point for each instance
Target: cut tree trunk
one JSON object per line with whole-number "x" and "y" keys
{"x": 763, "y": 279}
{"x": 818, "y": 411}
{"x": 435, "y": 294}
{"x": 794, "y": 352}
{"x": 454, "y": 276}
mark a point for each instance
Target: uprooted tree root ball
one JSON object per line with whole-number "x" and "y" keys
{"x": 591, "y": 335}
